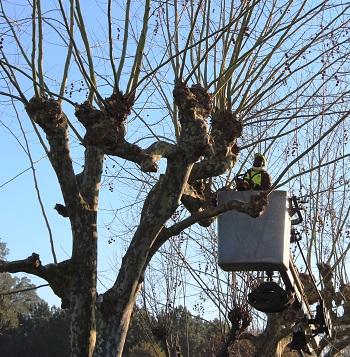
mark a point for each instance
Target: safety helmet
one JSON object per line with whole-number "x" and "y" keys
{"x": 262, "y": 156}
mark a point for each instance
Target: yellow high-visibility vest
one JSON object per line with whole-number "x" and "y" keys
{"x": 254, "y": 176}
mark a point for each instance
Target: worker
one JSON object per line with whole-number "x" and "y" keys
{"x": 256, "y": 178}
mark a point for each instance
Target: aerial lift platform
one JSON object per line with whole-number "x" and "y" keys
{"x": 263, "y": 244}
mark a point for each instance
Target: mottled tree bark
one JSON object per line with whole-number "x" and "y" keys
{"x": 80, "y": 194}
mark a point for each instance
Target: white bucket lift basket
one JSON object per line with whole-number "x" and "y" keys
{"x": 254, "y": 244}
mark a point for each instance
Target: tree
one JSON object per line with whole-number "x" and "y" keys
{"x": 16, "y": 296}
{"x": 140, "y": 337}
{"x": 24, "y": 317}
{"x": 176, "y": 333}
{"x": 147, "y": 350}
{"x": 242, "y": 64}
{"x": 41, "y": 332}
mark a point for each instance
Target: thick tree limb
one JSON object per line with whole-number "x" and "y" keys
{"x": 212, "y": 167}
{"x": 134, "y": 153}
{"x": 195, "y": 105}
{"x": 255, "y": 208}
{"x": 330, "y": 295}
{"x": 47, "y": 113}
{"x": 240, "y": 319}
{"x": 105, "y": 129}
{"x": 58, "y": 276}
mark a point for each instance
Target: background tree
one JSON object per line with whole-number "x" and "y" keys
{"x": 28, "y": 326}
{"x": 256, "y": 64}
{"x": 17, "y": 295}
{"x": 40, "y": 332}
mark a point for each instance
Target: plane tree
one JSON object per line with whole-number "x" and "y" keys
{"x": 187, "y": 79}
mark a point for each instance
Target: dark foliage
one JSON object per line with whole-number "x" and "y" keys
{"x": 43, "y": 332}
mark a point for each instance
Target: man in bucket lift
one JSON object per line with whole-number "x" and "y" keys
{"x": 256, "y": 178}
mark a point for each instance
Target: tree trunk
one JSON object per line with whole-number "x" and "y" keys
{"x": 113, "y": 330}
{"x": 271, "y": 349}
{"x": 117, "y": 303}
{"x": 277, "y": 334}
{"x": 83, "y": 288}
